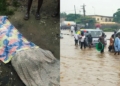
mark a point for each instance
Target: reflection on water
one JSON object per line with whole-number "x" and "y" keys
{"x": 87, "y": 67}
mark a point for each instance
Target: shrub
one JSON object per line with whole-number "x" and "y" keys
{"x": 4, "y": 8}
{"x": 15, "y": 3}
{"x": 10, "y": 12}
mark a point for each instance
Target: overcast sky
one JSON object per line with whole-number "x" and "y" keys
{"x": 98, "y": 7}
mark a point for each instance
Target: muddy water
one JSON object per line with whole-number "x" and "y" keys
{"x": 87, "y": 67}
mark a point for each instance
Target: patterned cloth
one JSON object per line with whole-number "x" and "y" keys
{"x": 11, "y": 40}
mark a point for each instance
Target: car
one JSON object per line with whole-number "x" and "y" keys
{"x": 95, "y": 33}
{"x": 118, "y": 32}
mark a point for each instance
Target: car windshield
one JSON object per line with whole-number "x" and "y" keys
{"x": 96, "y": 33}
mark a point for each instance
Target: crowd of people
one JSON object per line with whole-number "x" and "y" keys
{"x": 114, "y": 43}
{"x": 85, "y": 40}
{"x": 82, "y": 38}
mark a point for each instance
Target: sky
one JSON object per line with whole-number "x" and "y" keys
{"x": 93, "y": 7}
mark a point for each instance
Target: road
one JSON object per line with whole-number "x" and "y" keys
{"x": 87, "y": 67}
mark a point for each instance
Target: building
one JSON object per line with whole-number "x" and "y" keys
{"x": 103, "y": 19}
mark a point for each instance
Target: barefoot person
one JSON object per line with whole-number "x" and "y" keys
{"x": 35, "y": 66}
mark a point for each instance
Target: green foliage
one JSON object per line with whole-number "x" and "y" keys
{"x": 79, "y": 19}
{"x": 10, "y": 12}
{"x": 115, "y": 27}
{"x": 116, "y": 16}
{"x": 63, "y": 15}
{"x": 108, "y": 30}
{"x": 72, "y": 17}
{"x": 15, "y": 3}
{"x": 84, "y": 20}
{"x": 4, "y": 8}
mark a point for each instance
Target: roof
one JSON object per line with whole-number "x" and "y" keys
{"x": 101, "y": 16}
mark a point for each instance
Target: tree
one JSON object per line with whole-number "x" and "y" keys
{"x": 79, "y": 19}
{"x": 86, "y": 20}
{"x": 72, "y": 17}
{"x": 63, "y": 15}
{"x": 116, "y": 16}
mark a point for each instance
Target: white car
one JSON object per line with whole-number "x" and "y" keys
{"x": 95, "y": 33}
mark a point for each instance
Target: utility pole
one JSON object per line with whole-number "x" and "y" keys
{"x": 75, "y": 18}
{"x": 84, "y": 11}
{"x": 75, "y": 11}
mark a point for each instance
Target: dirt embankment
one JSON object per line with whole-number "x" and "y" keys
{"x": 43, "y": 32}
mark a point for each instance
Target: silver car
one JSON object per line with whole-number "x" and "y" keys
{"x": 95, "y": 33}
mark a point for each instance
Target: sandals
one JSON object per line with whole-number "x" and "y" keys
{"x": 26, "y": 16}
{"x": 37, "y": 16}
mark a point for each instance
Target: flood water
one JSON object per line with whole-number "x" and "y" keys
{"x": 87, "y": 67}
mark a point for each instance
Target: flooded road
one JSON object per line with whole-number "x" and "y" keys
{"x": 87, "y": 67}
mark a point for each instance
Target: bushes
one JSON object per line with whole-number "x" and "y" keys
{"x": 110, "y": 28}
{"x": 10, "y": 12}
{"x": 15, "y": 3}
{"x": 4, "y": 8}
{"x": 7, "y": 12}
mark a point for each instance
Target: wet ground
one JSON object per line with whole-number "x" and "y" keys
{"x": 87, "y": 67}
{"x": 43, "y": 32}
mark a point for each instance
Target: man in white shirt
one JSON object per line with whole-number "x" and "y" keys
{"x": 76, "y": 39}
{"x": 82, "y": 40}
{"x": 72, "y": 30}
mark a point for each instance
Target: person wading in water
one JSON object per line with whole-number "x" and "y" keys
{"x": 102, "y": 40}
{"x": 111, "y": 46}
{"x": 89, "y": 40}
{"x": 82, "y": 40}
{"x": 117, "y": 45}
